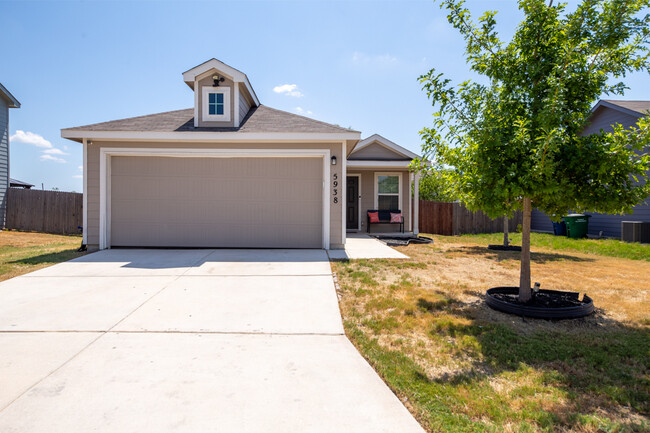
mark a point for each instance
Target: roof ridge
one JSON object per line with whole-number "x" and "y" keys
{"x": 320, "y": 122}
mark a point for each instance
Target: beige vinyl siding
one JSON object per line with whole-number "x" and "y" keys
{"x": 368, "y": 191}
{"x": 4, "y": 158}
{"x": 376, "y": 152}
{"x": 244, "y": 105}
{"x": 336, "y": 210}
{"x": 216, "y": 202}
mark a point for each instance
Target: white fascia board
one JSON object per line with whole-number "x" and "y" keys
{"x": 198, "y": 136}
{"x": 232, "y": 73}
{"x": 378, "y": 164}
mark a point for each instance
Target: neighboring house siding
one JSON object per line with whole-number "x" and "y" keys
{"x": 609, "y": 224}
{"x": 244, "y": 105}
{"x": 540, "y": 222}
{"x": 376, "y": 152}
{"x": 4, "y": 158}
{"x": 604, "y": 118}
{"x": 336, "y": 216}
{"x": 367, "y": 190}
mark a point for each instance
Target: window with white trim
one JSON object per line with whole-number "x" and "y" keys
{"x": 216, "y": 104}
{"x": 388, "y": 192}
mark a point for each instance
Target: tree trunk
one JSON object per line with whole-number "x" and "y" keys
{"x": 506, "y": 241}
{"x": 525, "y": 292}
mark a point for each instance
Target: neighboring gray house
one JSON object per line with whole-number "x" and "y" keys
{"x": 231, "y": 172}
{"x": 15, "y": 183}
{"x": 7, "y": 101}
{"x": 605, "y": 115}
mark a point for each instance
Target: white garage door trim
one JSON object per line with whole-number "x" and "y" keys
{"x": 105, "y": 175}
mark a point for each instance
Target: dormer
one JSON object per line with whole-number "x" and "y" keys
{"x": 222, "y": 95}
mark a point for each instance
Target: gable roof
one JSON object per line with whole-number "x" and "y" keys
{"x": 260, "y": 119}
{"x": 13, "y": 102}
{"x": 634, "y": 108}
{"x": 19, "y": 183}
{"x": 394, "y": 147}
{"x": 235, "y": 75}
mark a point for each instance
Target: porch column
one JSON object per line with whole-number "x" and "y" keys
{"x": 416, "y": 204}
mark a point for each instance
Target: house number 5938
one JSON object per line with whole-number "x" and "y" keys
{"x": 335, "y": 184}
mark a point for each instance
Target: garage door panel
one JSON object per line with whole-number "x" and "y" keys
{"x": 216, "y": 202}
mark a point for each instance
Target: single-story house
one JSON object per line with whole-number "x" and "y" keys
{"x": 15, "y": 183}
{"x": 231, "y": 172}
{"x": 7, "y": 101}
{"x": 604, "y": 116}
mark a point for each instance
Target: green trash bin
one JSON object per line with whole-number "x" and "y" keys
{"x": 577, "y": 225}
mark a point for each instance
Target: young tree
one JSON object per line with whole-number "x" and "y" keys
{"x": 514, "y": 140}
{"x": 435, "y": 184}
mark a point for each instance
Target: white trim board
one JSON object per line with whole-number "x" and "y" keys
{"x": 84, "y": 236}
{"x": 105, "y": 176}
{"x": 227, "y": 106}
{"x": 378, "y": 164}
{"x": 343, "y": 183}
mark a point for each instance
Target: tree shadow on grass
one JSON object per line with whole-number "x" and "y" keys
{"x": 49, "y": 258}
{"x": 515, "y": 255}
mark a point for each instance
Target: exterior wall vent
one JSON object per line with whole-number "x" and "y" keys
{"x": 635, "y": 231}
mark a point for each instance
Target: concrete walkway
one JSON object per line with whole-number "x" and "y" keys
{"x": 185, "y": 341}
{"x": 361, "y": 246}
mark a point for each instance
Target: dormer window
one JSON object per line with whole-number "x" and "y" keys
{"x": 216, "y": 104}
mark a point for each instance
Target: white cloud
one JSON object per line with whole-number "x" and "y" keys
{"x": 30, "y": 138}
{"x": 302, "y": 111}
{"x": 54, "y": 151}
{"x": 288, "y": 89}
{"x": 78, "y": 176}
{"x": 48, "y": 157}
{"x": 360, "y": 58}
{"x": 81, "y": 168}
{"x": 47, "y": 148}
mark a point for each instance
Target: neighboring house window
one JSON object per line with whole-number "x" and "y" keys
{"x": 388, "y": 187}
{"x": 216, "y": 104}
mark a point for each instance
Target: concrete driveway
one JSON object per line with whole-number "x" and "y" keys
{"x": 185, "y": 341}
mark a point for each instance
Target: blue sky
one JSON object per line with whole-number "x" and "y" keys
{"x": 354, "y": 63}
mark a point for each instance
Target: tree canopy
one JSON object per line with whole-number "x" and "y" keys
{"x": 519, "y": 134}
{"x": 514, "y": 139}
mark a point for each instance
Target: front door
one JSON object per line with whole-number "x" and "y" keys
{"x": 352, "y": 205}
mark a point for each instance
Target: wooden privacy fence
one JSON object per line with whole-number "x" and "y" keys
{"x": 441, "y": 218}
{"x": 54, "y": 212}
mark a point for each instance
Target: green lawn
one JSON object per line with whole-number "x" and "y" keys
{"x": 23, "y": 252}
{"x": 601, "y": 247}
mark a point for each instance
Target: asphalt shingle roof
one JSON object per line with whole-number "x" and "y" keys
{"x": 641, "y": 107}
{"x": 258, "y": 119}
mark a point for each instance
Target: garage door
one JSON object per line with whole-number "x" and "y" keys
{"x": 216, "y": 202}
